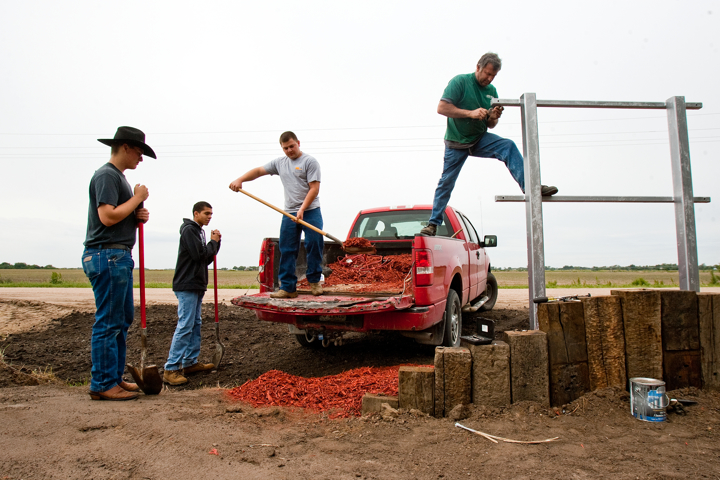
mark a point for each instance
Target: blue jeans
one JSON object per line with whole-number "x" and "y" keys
{"x": 489, "y": 146}
{"x": 110, "y": 272}
{"x": 185, "y": 347}
{"x": 290, "y": 246}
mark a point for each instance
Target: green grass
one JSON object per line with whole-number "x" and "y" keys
{"x": 230, "y": 279}
{"x": 601, "y": 279}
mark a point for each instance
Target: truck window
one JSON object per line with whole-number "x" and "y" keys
{"x": 471, "y": 234}
{"x": 395, "y": 225}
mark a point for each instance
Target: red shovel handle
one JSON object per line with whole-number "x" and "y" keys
{"x": 217, "y": 318}
{"x": 141, "y": 247}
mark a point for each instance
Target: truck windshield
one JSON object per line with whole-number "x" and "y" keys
{"x": 395, "y": 225}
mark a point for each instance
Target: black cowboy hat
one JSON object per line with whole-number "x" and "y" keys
{"x": 131, "y": 136}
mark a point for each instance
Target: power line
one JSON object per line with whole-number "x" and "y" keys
{"x": 348, "y": 128}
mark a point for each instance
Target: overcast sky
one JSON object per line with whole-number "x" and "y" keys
{"x": 213, "y": 84}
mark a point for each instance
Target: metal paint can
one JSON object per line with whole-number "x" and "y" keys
{"x": 648, "y": 400}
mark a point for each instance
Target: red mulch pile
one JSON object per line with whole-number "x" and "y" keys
{"x": 340, "y": 394}
{"x": 368, "y": 273}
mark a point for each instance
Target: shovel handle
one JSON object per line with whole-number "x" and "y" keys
{"x": 141, "y": 248}
{"x": 291, "y": 217}
{"x": 217, "y": 317}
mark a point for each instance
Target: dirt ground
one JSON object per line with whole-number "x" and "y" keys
{"x": 53, "y": 430}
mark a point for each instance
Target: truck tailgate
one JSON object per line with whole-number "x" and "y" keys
{"x": 325, "y": 304}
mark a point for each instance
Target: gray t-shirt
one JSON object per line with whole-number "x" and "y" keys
{"x": 296, "y": 176}
{"x": 109, "y": 186}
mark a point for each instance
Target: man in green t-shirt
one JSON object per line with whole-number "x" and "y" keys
{"x": 466, "y": 104}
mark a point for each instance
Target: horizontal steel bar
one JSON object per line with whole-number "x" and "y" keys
{"x": 597, "y": 199}
{"x": 594, "y": 104}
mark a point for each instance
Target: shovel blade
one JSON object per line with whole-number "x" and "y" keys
{"x": 137, "y": 376}
{"x": 218, "y": 355}
{"x": 148, "y": 379}
{"x": 152, "y": 381}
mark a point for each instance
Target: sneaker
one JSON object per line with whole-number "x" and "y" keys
{"x": 173, "y": 377}
{"x": 198, "y": 367}
{"x": 283, "y": 294}
{"x": 546, "y": 191}
{"x": 316, "y": 289}
{"x": 429, "y": 230}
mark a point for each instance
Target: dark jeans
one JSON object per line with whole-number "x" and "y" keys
{"x": 489, "y": 146}
{"x": 290, "y": 246}
{"x": 111, "y": 275}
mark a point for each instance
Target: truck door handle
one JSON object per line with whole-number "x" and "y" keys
{"x": 478, "y": 254}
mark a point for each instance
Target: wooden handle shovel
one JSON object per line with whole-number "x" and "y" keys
{"x": 291, "y": 217}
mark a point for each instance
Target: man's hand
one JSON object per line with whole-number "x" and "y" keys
{"x": 141, "y": 191}
{"x": 142, "y": 215}
{"x": 478, "y": 114}
{"x": 496, "y": 113}
{"x": 215, "y": 235}
{"x": 236, "y": 185}
{"x": 300, "y": 214}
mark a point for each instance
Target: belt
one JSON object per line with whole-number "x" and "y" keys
{"x": 116, "y": 246}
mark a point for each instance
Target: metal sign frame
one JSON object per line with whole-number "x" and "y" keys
{"x": 682, "y": 187}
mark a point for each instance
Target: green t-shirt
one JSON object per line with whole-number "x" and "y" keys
{"x": 464, "y": 92}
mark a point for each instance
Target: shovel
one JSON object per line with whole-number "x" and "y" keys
{"x": 219, "y": 347}
{"x": 368, "y": 250}
{"x": 147, "y": 378}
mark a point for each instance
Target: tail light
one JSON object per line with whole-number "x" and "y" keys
{"x": 265, "y": 270}
{"x": 423, "y": 267}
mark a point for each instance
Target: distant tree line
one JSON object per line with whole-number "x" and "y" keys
{"x": 246, "y": 269}
{"x": 22, "y": 266}
{"x": 663, "y": 267}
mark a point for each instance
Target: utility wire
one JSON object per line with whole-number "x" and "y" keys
{"x": 349, "y": 128}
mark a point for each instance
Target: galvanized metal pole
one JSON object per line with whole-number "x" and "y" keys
{"x": 533, "y": 204}
{"x": 683, "y": 194}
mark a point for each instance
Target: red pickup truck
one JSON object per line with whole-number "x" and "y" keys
{"x": 450, "y": 275}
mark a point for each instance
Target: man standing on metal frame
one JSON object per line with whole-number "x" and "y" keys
{"x": 466, "y": 104}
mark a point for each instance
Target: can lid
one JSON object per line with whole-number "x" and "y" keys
{"x": 647, "y": 381}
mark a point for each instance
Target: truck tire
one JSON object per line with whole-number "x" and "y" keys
{"x": 453, "y": 320}
{"x": 491, "y": 290}
{"x": 312, "y": 343}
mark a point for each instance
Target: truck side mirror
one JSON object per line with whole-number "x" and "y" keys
{"x": 489, "y": 241}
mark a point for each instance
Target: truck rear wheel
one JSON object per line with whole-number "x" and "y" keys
{"x": 311, "y": 342}
{"x": 453, "y": 320}
{"x": 491, "y": 291}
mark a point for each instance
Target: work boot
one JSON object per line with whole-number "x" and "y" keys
{"x": 429, "y": 230}
{"x": 198, "y": 367}
{"x": 546, "y": 191}
{"x": 283, "y": 294}
{"x": 173, "y": 377}
{"x": 117, "y": 393}
{"x": 316, "y": 289}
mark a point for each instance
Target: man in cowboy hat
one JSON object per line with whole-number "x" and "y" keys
{"x": 114, "y": 212}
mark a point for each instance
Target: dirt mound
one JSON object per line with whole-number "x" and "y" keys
{"x": 17, "y": 316}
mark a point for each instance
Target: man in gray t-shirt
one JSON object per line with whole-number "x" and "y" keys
{"x": 300, "y": 176}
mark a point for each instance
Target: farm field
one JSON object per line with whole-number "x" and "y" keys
{"x": 74, "y": 277}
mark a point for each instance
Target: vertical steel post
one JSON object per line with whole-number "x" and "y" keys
{"x": 533, "y": 204}
{"x": 683, "y": 194}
